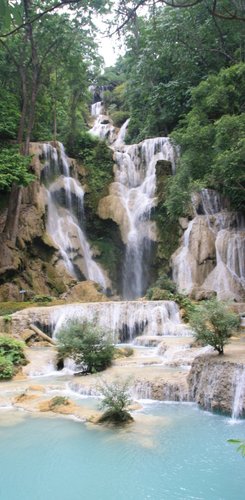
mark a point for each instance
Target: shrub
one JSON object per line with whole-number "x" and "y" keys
{"x": 13, "y": 350}
{"x": 6, "y": 368}
{"x": 58, "y": 401}
{"x": 86, "y": 345}
{"x": 42, "y": 298}
{"x": 116, "y": 400}
{"x": 214, "y": 324}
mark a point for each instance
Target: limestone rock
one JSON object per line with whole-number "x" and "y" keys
{"x": 212, "y": 383}
{"x": 85, "y": 291}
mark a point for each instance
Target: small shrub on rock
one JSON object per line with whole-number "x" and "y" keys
{"x": 214, "y": 324}
{"x": 116, "y": 401}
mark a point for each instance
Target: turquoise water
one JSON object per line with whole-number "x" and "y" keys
{"x": 175, "y": 452}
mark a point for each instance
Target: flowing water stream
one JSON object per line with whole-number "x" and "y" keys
{"x": 134, "y": 189}
{"x": 65, "y": 218}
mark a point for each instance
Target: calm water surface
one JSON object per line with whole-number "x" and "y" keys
{"x": 176, "y": 452}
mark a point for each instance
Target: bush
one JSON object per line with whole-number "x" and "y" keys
{"x": 116, "y": 401}
{"x": 58, "y": 401}
{"x": 13, "y": 350}
{"x": 165, "y": 283}
{"x": 214, "y": 324}
{"x": 6, "y": 368}
{"x": 86, "y": 345}
{"x": 42, "y": 298}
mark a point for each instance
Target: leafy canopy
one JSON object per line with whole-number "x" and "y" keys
{"x": 212, "y": 141}
{"x": 14, "y": 169}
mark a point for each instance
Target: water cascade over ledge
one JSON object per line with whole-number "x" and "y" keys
{"x": 65, "y": 217}
{"x": 132, "y": 196}
{"x": 212, "y": 254}
{"x": 124, "y": 320}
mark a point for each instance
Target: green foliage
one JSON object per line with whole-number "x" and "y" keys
{"x": 116, "y": 401}
{"x": 212, "y": 140}
{"x": 6, "y": 368}
{"x": 9, "y": 114}
{"x": 158, "y": 93}
{"x": 14, "y": 169}
{"x": 119, "y": 117}
{"x": 96, "y": 157}
{"x": 240, "y": 447}
{"x": 42, "y": 298}
{"x": 86, "y": 345}
{"x": 58, "y": 401}
{"x": 165, "y": 283}
{"x": 12, "y": 349}
{"x": 214, "y": 324}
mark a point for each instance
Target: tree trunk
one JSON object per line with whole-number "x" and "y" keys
{"x": 12, "y": 221}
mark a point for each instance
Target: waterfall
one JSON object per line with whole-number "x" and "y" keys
{"x": 239, "y": 393}
{"x": 134, "y": 197}
{"x": 212, "y": 254}
{"x": 136, "y": 180}
{"x": 182, "y": 269}
{"x": 65, "y": 217}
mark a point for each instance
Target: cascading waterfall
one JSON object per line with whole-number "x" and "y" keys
{"x": 212, "y": 255}
{"x": 65, "y": 218}
{"x": 134, "y": 189}
{"x": 239, "y": 393}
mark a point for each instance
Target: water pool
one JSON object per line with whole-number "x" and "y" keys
{"x": 174, "y": 451}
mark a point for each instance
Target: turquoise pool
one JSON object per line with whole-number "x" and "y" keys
{"x": 175, "y": 451}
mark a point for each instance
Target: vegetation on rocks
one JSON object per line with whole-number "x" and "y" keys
{"x": 11, "y": 356}
{"x": 89, "y": 346}
{"x": 214, "y": 324}
{"x": 116, "y": 401}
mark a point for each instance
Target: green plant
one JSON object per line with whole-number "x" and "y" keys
{"x": 240, "y": 447}
{"x": 119, "y": 117}
{"x": 86, "y": 345}
{"x": 6, "y": 368}
{"x": 165, "y": 283}
{"x": 42, "y": 298}
{"x": 116, "y": 401}
{"x": 7, "y": 318}
{"x": 214, "y": 324}
{"x": 12, "y": 349}
{"x": 58, "y": 401}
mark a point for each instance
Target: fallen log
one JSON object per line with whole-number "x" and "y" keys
{"x": 41, "y": 334}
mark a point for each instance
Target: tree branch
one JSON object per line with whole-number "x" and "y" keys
{"x": 39, "y": 16}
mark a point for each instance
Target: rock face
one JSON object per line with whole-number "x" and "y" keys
{"x": 42, "y": 262}
{"x": 218, "y": 385}
{"x": 211, "y": 257}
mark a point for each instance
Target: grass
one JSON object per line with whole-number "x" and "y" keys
{"x": 7, "y": 308}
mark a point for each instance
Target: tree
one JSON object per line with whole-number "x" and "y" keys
{"x": 214, "y": 324}
{"x": 14, "y": 168}
{"x": 212, "y": 141}
{"x": 116, "y": 401}
{"x": 203, "y": 45}
{"x": 87, "y": 345}
{"x": 36, "y": 41}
